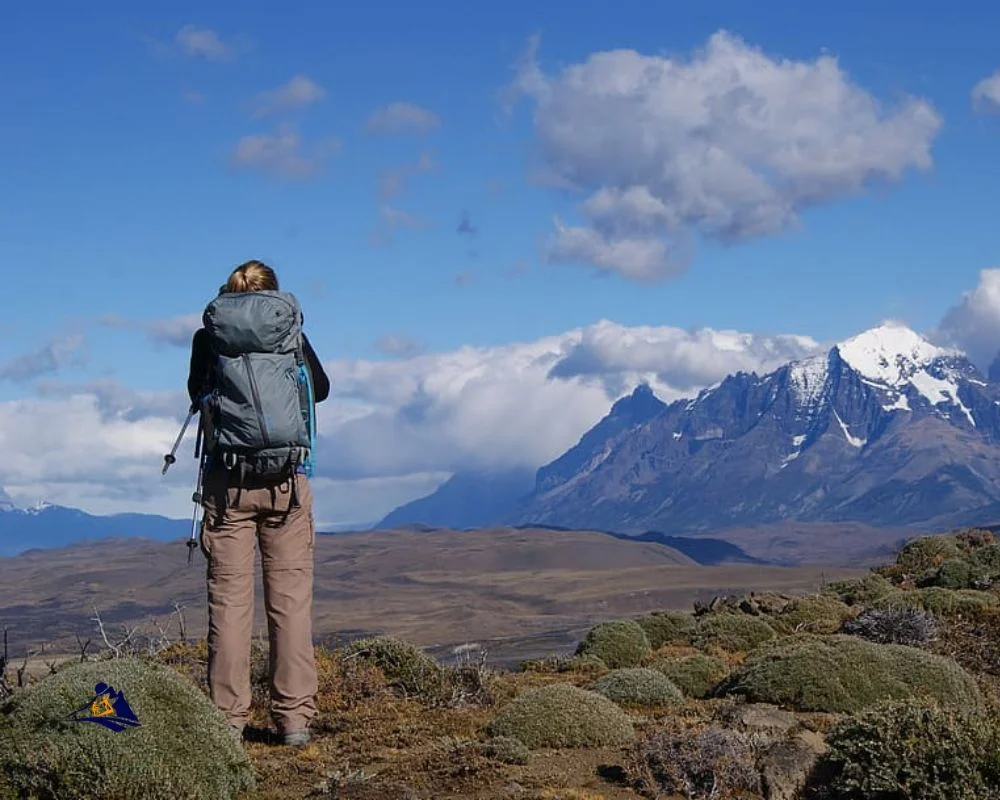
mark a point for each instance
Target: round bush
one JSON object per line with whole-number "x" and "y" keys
{"x": 507, "y": 750}
{"x": 618, "y": 643}
{"x": 813, "y": 615}
{"x": 955, "y": 573}
{"x": 860, "y": 591}
{"x": 640, "y": 687}
{"x": 909, "y": 750}
{"x": 927, "y": 552}
{"x": 668, "y": 627}
{"x": 734, "y": 633}
{"x": 845, "y": 674}
{"x": 696, "y": 676}
{"x": 563, "y": 715}
{"x": 182, "y": 747}
{"x": 404, "y": 665}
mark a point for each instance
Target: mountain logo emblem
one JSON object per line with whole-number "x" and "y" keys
{"x": 108, "y": 708}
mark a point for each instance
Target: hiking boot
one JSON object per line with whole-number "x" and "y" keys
{"x": 295, "y": 738}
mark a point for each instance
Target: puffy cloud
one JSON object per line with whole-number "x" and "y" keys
{"x": 282, "y": 154}
{"x": 392, "y": 183}
{"x": 402, "y": 118}
{"x": 299, "y": 92}
{"x": 731, "y": 144}
{"x": 986, "y": 93}
{"x": 973, "y": 323}
{"x": 195, "y": 41}
{"x": 58, "y": 353}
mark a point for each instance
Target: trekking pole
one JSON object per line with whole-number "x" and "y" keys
{"x": 192, "y": 542}
{"x": 171, "y": 457}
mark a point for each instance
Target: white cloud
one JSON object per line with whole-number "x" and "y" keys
{"x": 973, "y": 323}
{"x": 174, "y": 331}
{"x": 731, "y": 144}
{"x": 986, "y": 93}
{"x": 299, "y": 92}
{"x": 395, "y": 344}
{"x": 402, "y": 118}
{"x": 195, "y": 41}
{"x": 282, "y": 154}
{"x": 58, "y": 353}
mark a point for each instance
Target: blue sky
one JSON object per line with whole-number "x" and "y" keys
{"x": 120, "y": 197}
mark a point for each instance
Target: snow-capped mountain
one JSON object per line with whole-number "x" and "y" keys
{"x": 884, "y": 429}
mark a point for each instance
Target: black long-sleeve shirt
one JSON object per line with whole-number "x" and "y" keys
{"x": 199, "y": 375}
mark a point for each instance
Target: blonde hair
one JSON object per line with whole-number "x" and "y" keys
{"x": 253, "y": 276}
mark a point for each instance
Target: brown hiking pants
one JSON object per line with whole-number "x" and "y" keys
{"x": 236, "y": 520}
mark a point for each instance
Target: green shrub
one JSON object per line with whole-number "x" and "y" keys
{"x": 898, "y": 599}
{"x": 844, "y": 674}
{"x": 860, "y": 591}
{"x": 636, "y": 686}
{"x": 910, "y": 751}
{"x": 927, "y": 552}
{"x": 734, "y": 633}
{"x": 618, "y": 643}
{"x": 507, "y": 750}
{"x": 404, "y": 666}
{"x": 668, "y": 627}
{"x": 183, "y": 746}
{"x": 813, "y": 615}
{"x": 563, "y": 715}
{"x": 955, "y": 573}
{"x": 696, "y": 675}
{"x": 987, "y": 558}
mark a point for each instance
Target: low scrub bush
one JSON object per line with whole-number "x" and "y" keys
{"x": 639, "y": 687}
{"x": 618, "y": 643}
{"x": 845, "y": 674}
{"x": 909, "y": 626}
{"x": 668, "y": 627}
{"x": 182, "y": 747}
{"x": 695, "y": 675}
{"x": 405, "y": 667}
{"x": 910, "y": 751}
{"x": 699, "y": 765}
{"x": 563, "y": 715}
{"x": 734, "y": 633}
{"x": 821, "y": 614}
{"x": 507, "y": 750}
{"x": 860, "y": 591}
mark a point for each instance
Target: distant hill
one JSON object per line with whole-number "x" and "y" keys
{"x": 46, "y": 526}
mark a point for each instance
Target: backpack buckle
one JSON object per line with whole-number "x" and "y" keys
{"x": 230, "y": 459}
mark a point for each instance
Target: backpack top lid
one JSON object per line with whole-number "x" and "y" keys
{"x": 253, "y": 322}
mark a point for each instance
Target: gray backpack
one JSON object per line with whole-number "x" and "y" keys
{"x": 260, "y": 414}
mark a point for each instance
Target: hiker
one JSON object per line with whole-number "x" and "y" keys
{"x": 256, "y": 380}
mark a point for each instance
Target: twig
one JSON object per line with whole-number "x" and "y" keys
{"x": 5, "y": 688}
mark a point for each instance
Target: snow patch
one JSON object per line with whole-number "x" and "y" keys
{"x": 890, "y": 354}
{"x": 808, "y": 377}
{"x": 938, "y": 391}
{"x": 852, "y": 440}
{"x": 789, "y": 459}
{"x": 677, "y": 434}
{"x": 798, "y": 440}
{"x": 901, "y": 404}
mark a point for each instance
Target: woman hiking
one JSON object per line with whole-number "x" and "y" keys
{"x": 256, "y": 379}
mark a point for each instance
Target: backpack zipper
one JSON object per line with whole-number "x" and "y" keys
{"x": 256, "y": 400}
